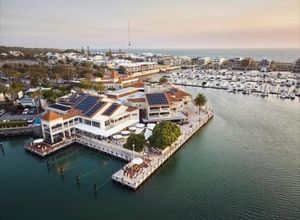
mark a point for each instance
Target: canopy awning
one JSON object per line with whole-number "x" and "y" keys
{"x": 139, "y": 130}
{"x": 137, "y": 161}
{"x": 105, "y": 133}
{"x": 141, "y": 125}
{"x": 151, "y": 126}
{"x": 148, "y": 133}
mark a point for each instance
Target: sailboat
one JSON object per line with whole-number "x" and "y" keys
{"x": 264, "y": 93}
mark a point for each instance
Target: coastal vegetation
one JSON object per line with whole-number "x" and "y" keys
{"x": 164, "y": 134}
{"x": 87, "y": 84}
{"x": 136, "y": 141}
{"x": 5, "y": 124}
{"x": 163, "y": 80}
{"x": 38, "y": 74}
{"x": 200, "y": 100}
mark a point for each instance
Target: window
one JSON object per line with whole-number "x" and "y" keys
{"x": 87, "y": 122}
{"x": 80, "y": 120}
{"x": 96, "y": 124}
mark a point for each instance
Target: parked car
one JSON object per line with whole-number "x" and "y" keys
{"x": 25, "y": 111}
{"x": 2, "y": 112}
{"x": 31, "y": 112}
{"x": 30, "y": 120}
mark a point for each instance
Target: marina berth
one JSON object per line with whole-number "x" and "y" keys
{"x": 247, "y": 82}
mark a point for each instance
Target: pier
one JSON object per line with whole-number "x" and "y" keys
{"x": 131, "y": 175}
{"x": 127, "y": 175}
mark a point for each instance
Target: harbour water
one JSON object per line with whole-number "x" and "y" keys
{"x": 243, "y": 165}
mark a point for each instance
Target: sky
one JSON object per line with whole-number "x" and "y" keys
{"x": 153, "y": 23}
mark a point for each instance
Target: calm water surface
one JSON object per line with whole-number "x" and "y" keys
{"x": 243, "y": 165}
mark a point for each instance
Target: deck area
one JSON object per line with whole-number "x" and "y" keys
{"x": 43, "y": 149}
{"x": 134, "y": 177}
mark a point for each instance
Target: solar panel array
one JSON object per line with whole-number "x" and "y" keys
{"x": 59, "y": 107}
{"x": 87, "y": 103}
{"x": 157, "y": 99}
{"x": 111, "y": 109}
{"x": 95, "y": 108}
{"x": 75, "y": 99}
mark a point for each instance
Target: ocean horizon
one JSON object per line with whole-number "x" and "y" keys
{"x": 276, "y": 54}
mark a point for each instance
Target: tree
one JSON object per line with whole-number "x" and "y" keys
{"x": 138, "y": 140}
{"x": 38, "y": 95}
{"x": 87, "y": 84}
{"x": 122, "y": 70}
{"x": 99, "y": 87}
{"x": 163, "y": 80}
{"x": 164, "y": 134}
{"x": 14, "y": 89}
{"x": 200, "y": 100}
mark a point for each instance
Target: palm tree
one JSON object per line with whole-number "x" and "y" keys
{"x": 38, "y": 95}
{"x": 200, "y": 100}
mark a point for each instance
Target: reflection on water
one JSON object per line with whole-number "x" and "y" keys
{"x": 243, "y": 165}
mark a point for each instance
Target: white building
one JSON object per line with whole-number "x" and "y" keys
{"x": 97, "y": 115}
{"x": 163, "y": 103}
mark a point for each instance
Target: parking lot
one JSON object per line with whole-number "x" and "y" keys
{"x": 20, "y": 115}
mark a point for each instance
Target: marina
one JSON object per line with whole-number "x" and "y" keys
{"x": 226, "y": 158}
{"x": 283, "y": 84}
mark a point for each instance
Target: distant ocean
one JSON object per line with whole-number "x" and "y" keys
{"x": 288, "y": 55}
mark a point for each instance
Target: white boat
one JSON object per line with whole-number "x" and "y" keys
{"x": 282, "y": 83}
{"x": 292, "y": 95}
{"x": 264, "y": 94}
{"x": 289, "y": 83}
{"x": 283, "y": 95}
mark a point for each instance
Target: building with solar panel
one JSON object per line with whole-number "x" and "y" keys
{"x": 163, "y": 103}
{"x": 100, "y": 116}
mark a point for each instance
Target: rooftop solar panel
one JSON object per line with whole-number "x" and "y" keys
{"x": 87, "y": 103}
{"x": 95, "y": 108}
{"x": 157, "y": 99}
{"x": 76, "y": 98}
{"x": 111, "y": 109}
{"x": 59, "y": 107}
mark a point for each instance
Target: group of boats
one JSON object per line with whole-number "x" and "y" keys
{"x": 284, "y": 84}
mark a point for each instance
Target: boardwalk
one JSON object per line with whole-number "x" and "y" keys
{"x": 144, "y": 172}
{"x": 131, "y": 175}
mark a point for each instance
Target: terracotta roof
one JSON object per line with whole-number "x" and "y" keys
{"x": 176, "y": 94}
{"x": 138, "y": 84}
{"x": 130, "y": 109}
{"x": 137, "y": 100}
{"x": 172, "y": 98}
{"x": 114, "y": 75}
{"x": 72, "y": 113}
{"x": 50, "y": 116}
